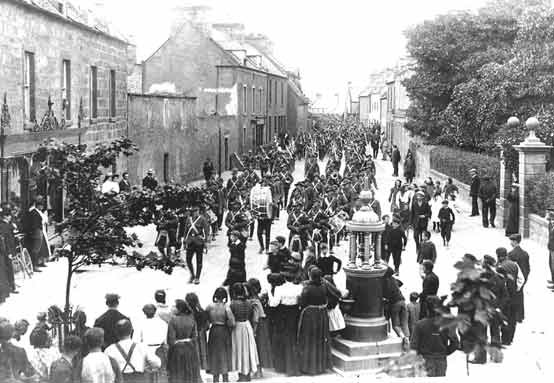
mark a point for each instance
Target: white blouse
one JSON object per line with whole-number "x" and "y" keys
{"x": 286, "y": 294}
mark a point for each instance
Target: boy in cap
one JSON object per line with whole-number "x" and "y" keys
{"x": 446, "y": 220}
{"x": 149, "y": 182}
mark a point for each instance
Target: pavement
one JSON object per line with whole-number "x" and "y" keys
{"x": 527, "y": 357}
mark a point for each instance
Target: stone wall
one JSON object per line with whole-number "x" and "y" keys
{"x": 538, "y": 229}
{"x": 53, "y": 39}
{"x": 171, "y": 140}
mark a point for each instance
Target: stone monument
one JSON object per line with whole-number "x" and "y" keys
{"x": 365, "y": 344}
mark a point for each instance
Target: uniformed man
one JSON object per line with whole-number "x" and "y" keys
{"x": 286, "y": 180}
{"x": 299, "y": 224}
{"x": 195, "y": 237}
{"x": 233, "y": 185}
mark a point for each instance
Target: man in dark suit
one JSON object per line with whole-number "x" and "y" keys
{"x": 487, "y": 193}
{"x": 521, "y": 257}
{"x": 430, "y": 286}
{"x": 124, "y": 184}
{"x": 149, "y": 182}
{"x": 32, "y": 228}
{"x": 109, "y": 319}
{"x": 8, "y": 240}
{"x": 474, "y": 192}
{"x": 421, "y": 212}
{"x": 395, "y": 158}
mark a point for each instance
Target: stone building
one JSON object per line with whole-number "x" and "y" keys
{"x": 241, "y": 96}
{"x": 168, "y": 135}
{"x": 64, "y": 74}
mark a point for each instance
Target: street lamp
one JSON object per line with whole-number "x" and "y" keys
{"x": 5, "y": 120}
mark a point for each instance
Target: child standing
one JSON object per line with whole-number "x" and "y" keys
{"x": 447, "y": 218}
{"x": 413, "y": 311}
{"x": 261, "y": 328}
{"x": 219, "y": 341}
{"x": 326, "y": 263}
{"x": 435, "y": 208}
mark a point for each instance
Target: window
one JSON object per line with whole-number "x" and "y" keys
{"x": 275, "y": 92}
{"x": 253, "y": 101}
{"x": 166, "y": 167}
{"x": 66, "y": 88}
{"x": 244, "y": 99}
{"x": 93, "y": 88}
{"x": 243, "y": 138}
{"x": 282, "y": 93}
{"x": 29, "y": 87}
{"x": 261, "y": 93}
{"x": 269, "y": 126}
{"x": 112, "y": 94}
{"x": 270, "y": 92}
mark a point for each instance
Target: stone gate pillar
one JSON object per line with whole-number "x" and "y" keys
{"x": 505, "y": 186}
{"x": 532, "y": 163}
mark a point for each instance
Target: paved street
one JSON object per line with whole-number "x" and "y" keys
{"x": 528, "y": 353}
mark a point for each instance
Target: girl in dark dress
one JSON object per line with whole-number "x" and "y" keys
{"x": 237, "y": 271}
{"x": 202, "y": 324}
{"x": 313, "y": 327}
{"x": 219, "y": 341}
{"x": 326, "y": 263}
{"x": 261, "y": 327}
{"x": 183, "y": 364}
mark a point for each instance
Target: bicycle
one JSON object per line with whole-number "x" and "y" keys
{"x": 21, "y": 260}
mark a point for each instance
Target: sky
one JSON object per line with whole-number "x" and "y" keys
{"x": 330, "y": 42}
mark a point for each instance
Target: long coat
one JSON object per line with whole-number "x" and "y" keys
{"x": 521, "y": 257}
{"x": 512, "y": 225}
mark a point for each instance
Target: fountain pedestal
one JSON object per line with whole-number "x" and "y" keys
{"x": 365, "y": 344}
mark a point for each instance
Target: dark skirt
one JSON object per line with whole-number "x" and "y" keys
{"x": 285, "y": 352}
{"x": 219, "y": 350}
{"x": 313, "y": 340}
{"x": 202, "y": 345}
{"x": 263, "y": 343}
{"x": 183, "y": 364}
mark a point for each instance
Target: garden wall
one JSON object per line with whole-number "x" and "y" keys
{"x": 538, "y": 229}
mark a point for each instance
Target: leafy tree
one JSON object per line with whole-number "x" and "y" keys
{"x": 93, "y": 228}
{"x": 448, "y": 51}
{"x": 462, "y": 87}
{"x": 474, "y": 301}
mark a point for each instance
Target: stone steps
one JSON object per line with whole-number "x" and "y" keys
{"x": 368, "y": 364}
{"x": 360, "y": 349}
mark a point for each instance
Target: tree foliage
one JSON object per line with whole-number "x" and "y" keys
{"x": 474, "y": 70}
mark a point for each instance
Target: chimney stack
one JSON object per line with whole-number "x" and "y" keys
{"x": 196, "y": 15}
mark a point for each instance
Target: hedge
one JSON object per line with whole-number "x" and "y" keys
{"x": 540, "y": 194}
{"x": 456, "y": 163}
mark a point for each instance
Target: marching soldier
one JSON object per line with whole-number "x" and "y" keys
{"x": 299, "y": 224}
{"x": 195, "y": 234}
{"x": 286, "y": 180}
{"x": 233, "y": 185}
{"x": 236, "y": 220}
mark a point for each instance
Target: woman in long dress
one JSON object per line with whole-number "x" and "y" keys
{"x": 313, "y": 327}
{"x": 220, "y": 347}
{"x": 260, "y": 325}
{"x": 245, "y": 353}
{"x": 202, "y": 324}
{"x": 512, "y": 225}
{"x": 183, "y": 364}
{"x": 285, "y": 318}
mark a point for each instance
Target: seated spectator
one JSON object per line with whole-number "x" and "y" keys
{"x": 13, "y": 360}
{"x": 66, "y": 368}
{"x": 97, "y": 367}
{"x": 134, "y": 359}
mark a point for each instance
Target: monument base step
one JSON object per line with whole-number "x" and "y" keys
{"x": 390, "y": 345}
{"x": 345, "y": 365}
